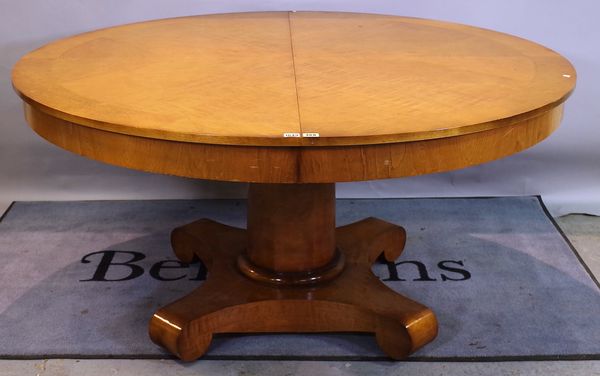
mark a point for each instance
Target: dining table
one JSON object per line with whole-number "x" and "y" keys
{"x": 292, "y": 102}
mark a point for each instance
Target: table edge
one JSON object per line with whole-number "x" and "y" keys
{"x": 294, "y": 141}
{"x": 294, "y": 164}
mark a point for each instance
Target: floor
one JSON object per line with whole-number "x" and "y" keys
{"x": 582, "y": 230}
{"x": 64, "y": 367}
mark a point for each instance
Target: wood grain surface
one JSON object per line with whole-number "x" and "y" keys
{"x": 228, "y": 302}
{"x": 371, "y": 97}
{"x": 271, "y": 164}
{"x": 249, "y": 78}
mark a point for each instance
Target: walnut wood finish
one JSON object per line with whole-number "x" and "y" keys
{"x": 229, "y": 302}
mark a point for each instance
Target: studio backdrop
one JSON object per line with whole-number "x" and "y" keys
{"x": 564, "y": 169}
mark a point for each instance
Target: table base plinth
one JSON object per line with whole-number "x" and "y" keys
{"x": 230, "y": 302}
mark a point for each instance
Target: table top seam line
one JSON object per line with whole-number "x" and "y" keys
{"x": 289, "y": 14}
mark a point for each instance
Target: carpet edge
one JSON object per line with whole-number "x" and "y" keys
{"x": 566, "y": 239}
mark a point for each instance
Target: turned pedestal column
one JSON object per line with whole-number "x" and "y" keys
{"x": 291, "y": 271}
{"x": 291, "y": 234}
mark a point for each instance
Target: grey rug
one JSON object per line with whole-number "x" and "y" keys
{"x": 81, "y": 279}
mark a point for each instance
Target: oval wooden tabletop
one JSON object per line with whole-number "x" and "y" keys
{"x": 251, "y": 78}
{"x": 289, "y": 97}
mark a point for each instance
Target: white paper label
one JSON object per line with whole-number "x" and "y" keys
{"x": 310, "y": 134}
{"x": 291, "y": 134}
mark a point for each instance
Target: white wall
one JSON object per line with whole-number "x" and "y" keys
{"x": 565, "y": 169}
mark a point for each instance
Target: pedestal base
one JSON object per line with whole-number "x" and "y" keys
{"x": 230, "y": 302}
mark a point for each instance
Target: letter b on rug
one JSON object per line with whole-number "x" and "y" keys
{"x": 107, "y": 260}
{"x": 118, "y": 266}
